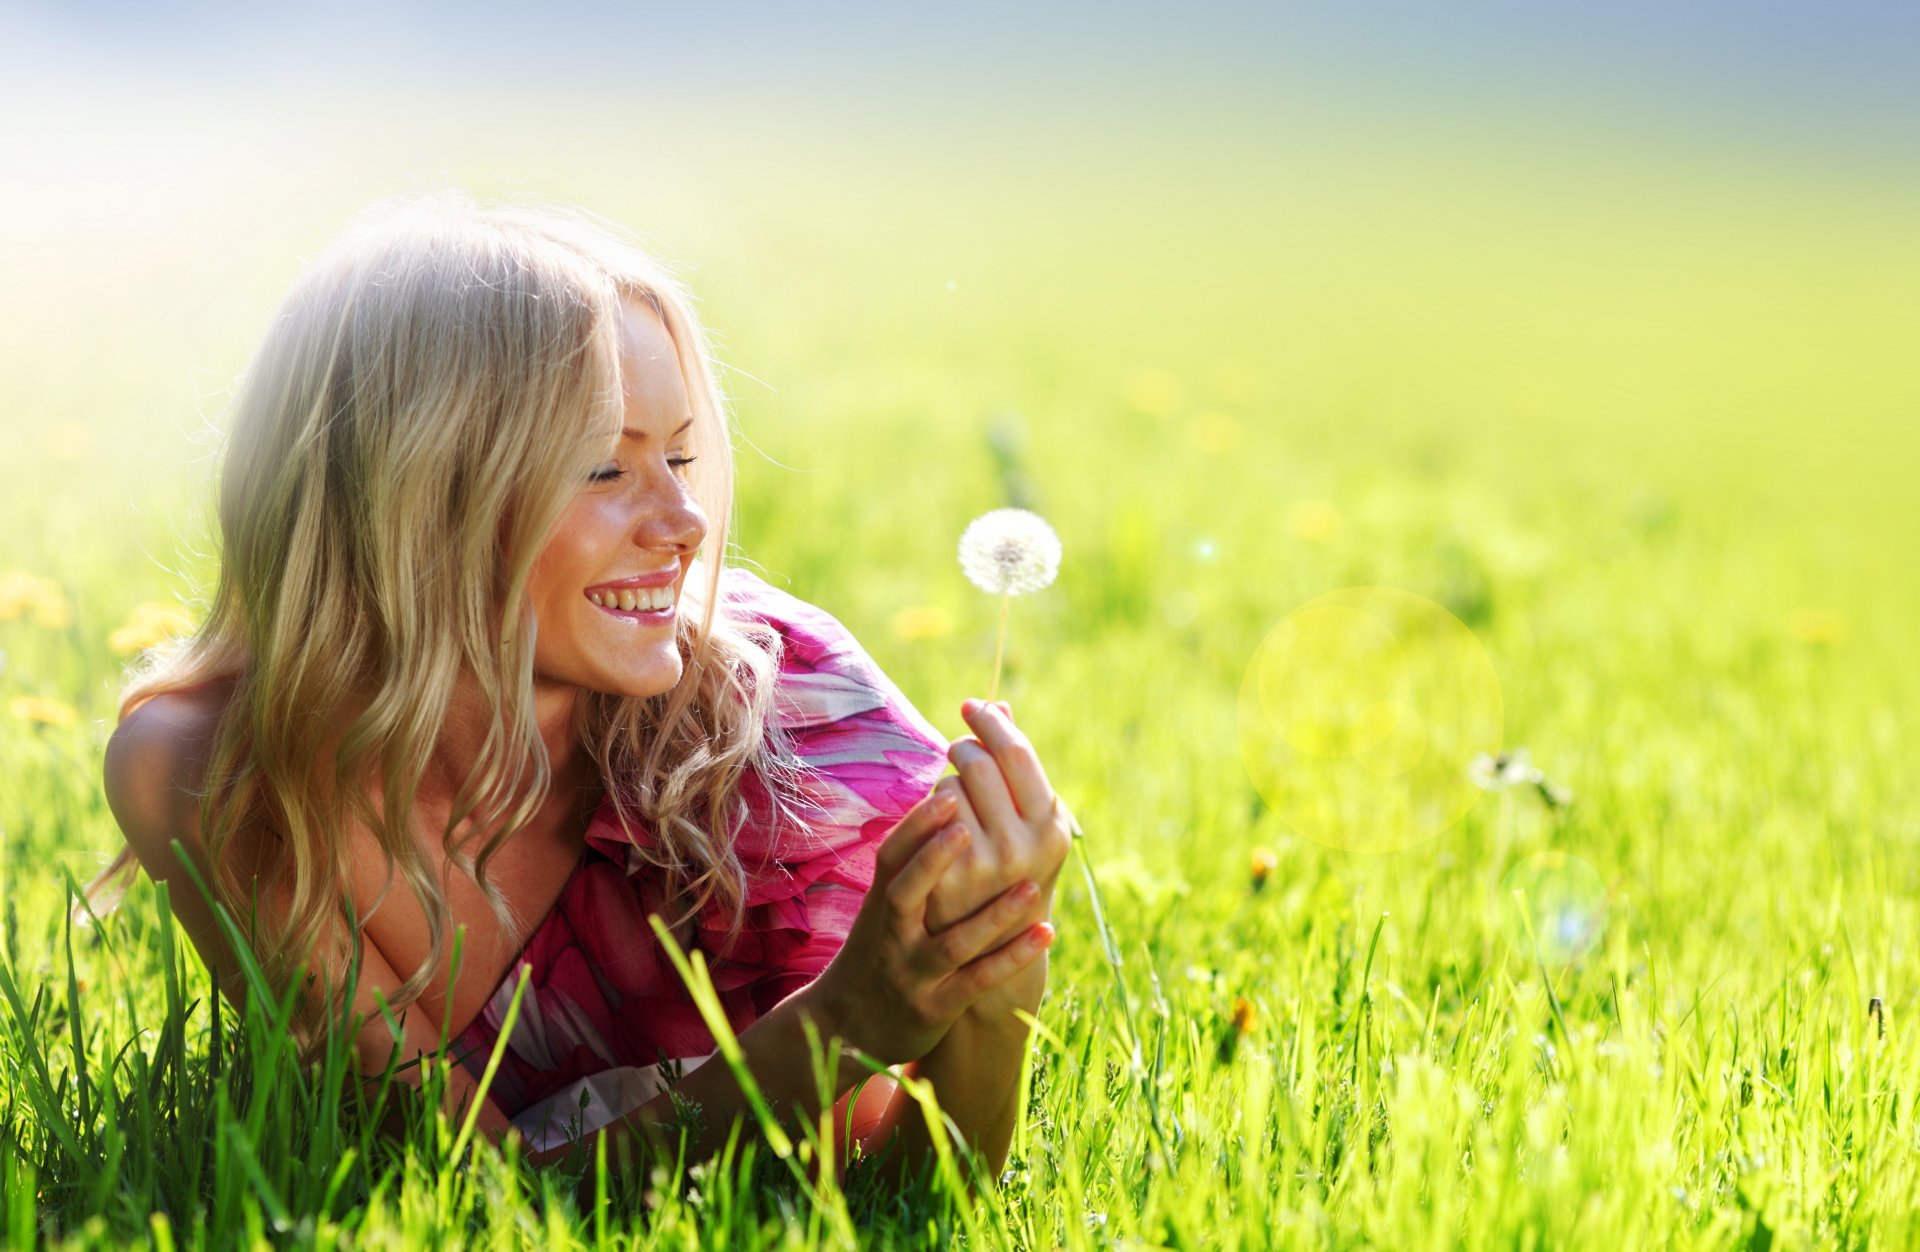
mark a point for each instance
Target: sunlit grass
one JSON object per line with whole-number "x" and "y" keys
{"x": 1639, "y": 437}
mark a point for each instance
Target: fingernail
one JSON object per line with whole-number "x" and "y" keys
{"x": 1044, "y": 935}
{"x": 969, "y": 707}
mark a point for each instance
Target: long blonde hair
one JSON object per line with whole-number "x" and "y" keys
{"x": 429, "y": 396}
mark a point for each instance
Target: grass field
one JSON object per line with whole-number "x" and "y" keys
{"x": 1643, "y": 426}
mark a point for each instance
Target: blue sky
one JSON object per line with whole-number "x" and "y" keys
{"x": 1813, "y": 89}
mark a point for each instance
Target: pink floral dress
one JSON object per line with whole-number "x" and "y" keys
{"x": 605, "y": 1023}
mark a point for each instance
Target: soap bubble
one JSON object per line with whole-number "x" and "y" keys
{"x": 1358, "y": 713}
{"x": 1552, "y": 907}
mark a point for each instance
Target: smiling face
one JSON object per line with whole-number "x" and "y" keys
{"x": 625, "y": 542}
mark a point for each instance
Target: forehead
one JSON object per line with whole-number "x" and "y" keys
{"x": 654, "y": 393}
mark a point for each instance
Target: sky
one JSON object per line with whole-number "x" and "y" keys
{"x": 1838, "y": 80}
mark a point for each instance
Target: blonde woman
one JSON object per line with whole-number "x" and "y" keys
{"x": 474, "y": 661}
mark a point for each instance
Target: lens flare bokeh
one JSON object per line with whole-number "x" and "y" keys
{"x": 1552, "y": 907}
{"x": 1358, "y": 713}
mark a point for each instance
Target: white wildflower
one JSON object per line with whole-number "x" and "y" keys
{"x": 1010, "y": 552}
{"x": 1491, "y": 772}
{"x": 1507, "y": 769}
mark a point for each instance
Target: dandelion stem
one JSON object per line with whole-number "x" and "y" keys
{"x": 1120, "y": 984}
{"x": 999, "y": 644}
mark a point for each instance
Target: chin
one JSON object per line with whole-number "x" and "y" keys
{"x": 637, "y": 687}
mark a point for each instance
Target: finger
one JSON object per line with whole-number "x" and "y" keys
{"x": 938, "y": 807}
{"x": 934, "y": 810}
{"x": 964, "y": 940}
{"x": 1019, "y": 764}
{"x": 908, "y": 891}
{"x": 952, "y": 784}
{"x": 986, "y": 789}
{"x": 974, "y": 980}
{"x": 963, "y": 808}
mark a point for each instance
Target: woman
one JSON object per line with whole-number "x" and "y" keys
{"x": 472, "y": 639}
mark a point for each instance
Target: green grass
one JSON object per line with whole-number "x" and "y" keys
{"x": 1644, "y": 428}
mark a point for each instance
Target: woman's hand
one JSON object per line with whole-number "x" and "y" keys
{"x": 1020, "y": 828}
{"x": 893, "y": 989}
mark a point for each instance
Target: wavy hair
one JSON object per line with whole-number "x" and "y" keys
{"x": 431, "y": 393}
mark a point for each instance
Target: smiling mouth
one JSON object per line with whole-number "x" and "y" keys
{"x": 633, "y": 604}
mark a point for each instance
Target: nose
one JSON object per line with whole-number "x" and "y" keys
{"x": 671, "y": 521}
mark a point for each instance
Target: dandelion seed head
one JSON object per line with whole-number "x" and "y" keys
{"x": 1009, "y": 552}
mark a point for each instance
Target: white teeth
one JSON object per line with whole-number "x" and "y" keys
{"x": 630, "y": 599}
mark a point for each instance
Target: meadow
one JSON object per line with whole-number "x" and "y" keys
{"x": 1640, "y": 423}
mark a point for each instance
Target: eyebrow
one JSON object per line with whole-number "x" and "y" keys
{"x": 641, "y": 435}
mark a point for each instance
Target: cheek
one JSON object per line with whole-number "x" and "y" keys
{"x": 565, "y": 566}
{"x": 546, "y": 589}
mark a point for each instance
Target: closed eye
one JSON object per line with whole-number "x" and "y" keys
{"x": 613, "y": 473}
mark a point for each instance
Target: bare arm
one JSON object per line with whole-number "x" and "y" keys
{"x": 1004, "y": 798}
{"x": 892, "y": 992}
{"x": 975, "y": 1071}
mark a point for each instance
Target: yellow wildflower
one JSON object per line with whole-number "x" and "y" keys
{"x": 43, "y": 712}
{"x": 1216, "y": 433}
{"x": 37, "y": 599}
{"x": 1263, "y": 863}
{"x": 1239, "y": 1024}
{"x": 1314, "y": 520}
{"x": 1238, "y": 382}
{"x": 921, "y": 621}
{"x": 1817, "y": 626}
{"x": 149, "y": 625}
{"x": 1154, "y": 393}
{"x": 68, "y": 441}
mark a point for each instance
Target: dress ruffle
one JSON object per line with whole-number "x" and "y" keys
{"x": 603, "y": 993}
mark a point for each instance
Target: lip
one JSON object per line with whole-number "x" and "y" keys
{"x": 660, "y": 578}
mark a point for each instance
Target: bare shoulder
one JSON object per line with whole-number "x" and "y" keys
{"x": 155, "y": 772}
{"x": 155, "y": 765}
